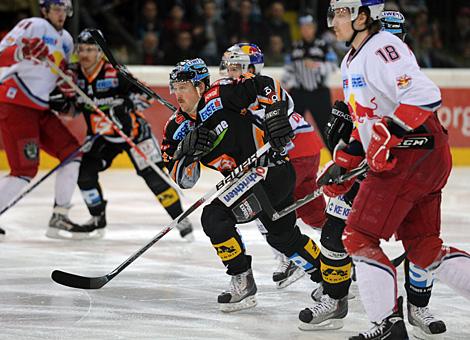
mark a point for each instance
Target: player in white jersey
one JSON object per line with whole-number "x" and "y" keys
{"x": 394, "y": 107}
{"x": 26, "y": 121}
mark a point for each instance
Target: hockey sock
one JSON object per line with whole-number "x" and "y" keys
{"x": 10, "y": 186}
{"x": 454, "y": 271}
{"x": 170, "y": 200}
{"x": 65, "y": 182}
{"x": 418, "y": 284}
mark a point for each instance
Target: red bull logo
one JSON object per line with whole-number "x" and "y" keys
{"x": 359, "y": 112}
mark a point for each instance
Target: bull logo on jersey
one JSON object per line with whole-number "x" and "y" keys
{"x": 58, "y": 59}
{"x": 403, "y": 81}
{"x": 359, "y": 112}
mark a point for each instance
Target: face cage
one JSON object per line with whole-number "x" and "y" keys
{"x": 344, "y": 14}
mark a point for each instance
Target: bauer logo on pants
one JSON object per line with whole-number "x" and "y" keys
{"x": 228, "y": 250}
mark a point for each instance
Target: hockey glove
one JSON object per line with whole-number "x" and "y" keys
{"x": 277, "y": 127}
{"x": 120, "y": 115}
{"x": 345, "y": 157}
{"x": 378, "y": 152}
{"x": 196, "y": 144}
{"x": 339, "y": 126}
{"x": 64, "y": 87}
{"x": 33, "y": 48}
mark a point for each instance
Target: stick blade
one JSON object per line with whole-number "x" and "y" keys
{"x": 77, "y": 281}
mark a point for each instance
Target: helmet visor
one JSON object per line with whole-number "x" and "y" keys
{"x": 337, "y": 16}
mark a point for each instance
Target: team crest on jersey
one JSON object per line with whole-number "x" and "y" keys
{"x": 212, "y": 106}
{"x": 106, "y": 84}
{"x": 211, "y": 94}
{"x": 345, "y": 83}
{"x": 31, "y": 151}
{"x": 403, "y": 81}
{"x": 183, "y": 130}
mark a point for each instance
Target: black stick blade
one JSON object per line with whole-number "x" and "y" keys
{"x": 77, "y": 281}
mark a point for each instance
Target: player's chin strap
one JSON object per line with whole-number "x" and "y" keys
{"x": 348, "y": 43}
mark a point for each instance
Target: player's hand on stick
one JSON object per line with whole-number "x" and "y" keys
{"x": 64, "y": 87}
{"x": 339, "y": 126}
{"x": 196, "y": 144}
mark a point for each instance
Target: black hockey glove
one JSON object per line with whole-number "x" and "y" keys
{"x": 120, "y": 115}
{"x": 196, "y": 144}
{"x": 277, "y": 127}
{"x": 58, "y": 102}
{"x": 340, "y": 125}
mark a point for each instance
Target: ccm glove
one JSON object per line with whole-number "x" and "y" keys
{"x": 339, "y": 126}
{"x": 33, "y": 48}
{"x": 277, "y": 127}
{"x": 196, "y": 144}
{"x": 378, "y": 152}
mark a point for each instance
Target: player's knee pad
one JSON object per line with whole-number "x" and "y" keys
{"x": 217, "y": 222}
{"x": 331, "y": 234}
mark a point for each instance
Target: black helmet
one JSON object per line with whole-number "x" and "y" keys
{"x": 85, "y": 37}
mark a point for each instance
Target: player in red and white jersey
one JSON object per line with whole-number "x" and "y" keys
{"x": 394, "y": 107}
{"x": 26, "y": 122}
{"x": 241, "y": 61}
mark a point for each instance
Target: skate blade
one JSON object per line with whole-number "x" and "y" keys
{"x": 290, "y": 280}
{"x": 418, "y": 333}
{"x": 329, "y": 324}
{"x": 61, "y": 234}
{"x": 246, "y": 303}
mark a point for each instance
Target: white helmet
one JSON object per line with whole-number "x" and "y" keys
{"x": 375, "y": 6}
{"x": 245, "y": 55}
{"x": 66, "y": 3}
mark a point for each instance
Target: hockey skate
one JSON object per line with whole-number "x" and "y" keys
{"x": 390, "y": 328}
{"x": 242, "y": 293}
{"x": 186, "y": 230}
{"x": 425, "y": 325}
{"x": 317, "y": 293}
{"x": 96, "y": 226}
{"x": 286, "y": 273}
{"x": 61, "y": 227}
{"x": 326, "y": 314}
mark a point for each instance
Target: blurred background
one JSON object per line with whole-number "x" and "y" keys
{"x": 162, "y": 32}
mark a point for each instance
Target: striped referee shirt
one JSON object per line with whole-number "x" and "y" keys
{"x": 299, "y": 75}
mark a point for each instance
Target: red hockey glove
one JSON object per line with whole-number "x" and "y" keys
{"x": 331, "y": 172}
{"x": 378, "y": 152}
{"x": 33, "y": 48}
{"x": 64, "y": 87}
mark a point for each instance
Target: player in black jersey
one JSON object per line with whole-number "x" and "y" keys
{"x": 215, "y": 127}
{"x": 121, "y": 101}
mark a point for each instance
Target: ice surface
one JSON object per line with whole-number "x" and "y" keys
{"x": 171, "y": 291}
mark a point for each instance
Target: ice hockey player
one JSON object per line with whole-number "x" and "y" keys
{"x": 227, "y": 133}
{"x": 242, "y": 61}
{"x": 26, "y": 121}
{"x": 116, "y": 97}
{"x": 394, "y": 106}
{"x": 418, "y": 282}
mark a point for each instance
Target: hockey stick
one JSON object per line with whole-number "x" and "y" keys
{"x": 92, "y": 104}
{"x": 74, "y": 154}
{"x": 125, "y": 73}
{"x": 275, "y": 215}
{"x": 83, "y": 282}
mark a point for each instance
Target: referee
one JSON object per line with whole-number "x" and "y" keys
{"x": 310, "y": 63}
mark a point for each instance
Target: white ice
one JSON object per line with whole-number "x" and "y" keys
{"x": 171, "y": 291}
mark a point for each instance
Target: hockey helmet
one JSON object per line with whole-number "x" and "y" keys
{"x": 65, "y": 3}
{"x": 394, "y": 22}
{"x": 350, "y": 9}
{"x": 245, "y": 55}
{"x": 190, "y": 70}
{"x": 85, "y": 37}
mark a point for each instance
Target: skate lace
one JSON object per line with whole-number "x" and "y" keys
{"x": 424, "y": 315}
{"x": 238, "y": 283}
{"x": 325, "y": 305}
{"x": 376, "y": 330}
{"x": 283, "y": 265}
